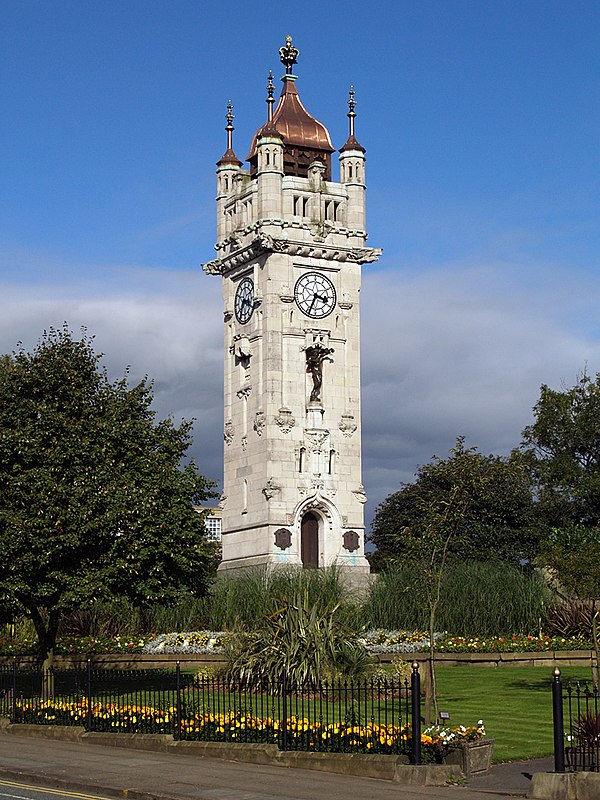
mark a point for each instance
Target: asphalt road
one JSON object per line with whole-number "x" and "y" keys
{"x": 21, "y": 791}
{"x": 84, "y": 770}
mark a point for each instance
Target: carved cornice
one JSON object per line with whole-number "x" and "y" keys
{"x": 263, "y": 243}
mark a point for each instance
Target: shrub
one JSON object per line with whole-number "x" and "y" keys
{"x": 478, "y": 599}
{"x": 307, "y": 640}
{"x": 570, "y": 618}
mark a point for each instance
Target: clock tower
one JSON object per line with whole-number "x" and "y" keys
{"x": 291, "y": 242}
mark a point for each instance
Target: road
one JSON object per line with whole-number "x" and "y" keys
{"x": 84, "y": 770}
{"x": 21, "y": 791}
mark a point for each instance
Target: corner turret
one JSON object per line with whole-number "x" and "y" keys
{"x": 352, "y": 172}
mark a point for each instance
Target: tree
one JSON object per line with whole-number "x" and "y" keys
{"x": 499, "y": 518}
{"x": 563, "y": 448}
{"x": 94, "y": 502}
{"x": 466, "y": 506}
{"x": 573, "y": 553}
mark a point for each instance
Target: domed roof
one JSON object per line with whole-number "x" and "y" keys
{"x": 294, "y": 124}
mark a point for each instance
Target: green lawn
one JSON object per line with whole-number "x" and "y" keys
{"x": 515, "y": 704}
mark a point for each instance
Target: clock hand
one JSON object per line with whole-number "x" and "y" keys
{"x": 313, "y": 302}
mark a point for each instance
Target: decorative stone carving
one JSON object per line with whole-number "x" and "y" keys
{"x": 244, "y": 392}
{"x": 344, "y": 520}
{"x": 345, "y": 303}
{"x": 285, "y": 420}
{"x": 245, "y": 444}
{"x": 351, "y": 541}
{"x": 229, "y": 432}
{"x": 259, "y": 422}
{"x": 315, "y": 438}
{"x": 347, "y": 425}
{"x": 264, "y": 243}
{"x": 271, "y": 488}
{"x": 283, "y": 538}
{"x": 360, "y": 494}
{"x": 286, "y": 295}
{"x": 321, "y": 230}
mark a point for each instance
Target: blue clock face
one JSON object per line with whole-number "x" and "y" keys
{"x": 244, "y": 300}
{"x": 315, "y": 295}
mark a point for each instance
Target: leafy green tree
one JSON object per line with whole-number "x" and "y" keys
{"x": 498, "y": 521}
{"x": 563, "y": 447}
{"x": 468, "y": 506}
{"x": 573, "y": 553}
{"x": 94, "y": 500}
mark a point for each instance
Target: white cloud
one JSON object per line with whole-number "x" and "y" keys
{"x": 462, "y": 351}
{"x": 459, "y": 350}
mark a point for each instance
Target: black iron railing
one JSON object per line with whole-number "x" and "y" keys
{"x": 369, "y": 716}
{"x": 576, "y": 718}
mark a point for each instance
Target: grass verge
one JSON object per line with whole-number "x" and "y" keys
{"x": 515, "y": 704}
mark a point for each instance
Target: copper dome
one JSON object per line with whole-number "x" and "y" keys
{"x": 300, "y": 132}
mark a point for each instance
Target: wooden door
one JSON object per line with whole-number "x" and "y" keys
{"x": 309, "y": 541}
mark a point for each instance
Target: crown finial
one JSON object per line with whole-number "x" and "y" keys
{"x": 288, "y": 55}
{"x": 351, "y": 112}
{"x": 270, "y": 99}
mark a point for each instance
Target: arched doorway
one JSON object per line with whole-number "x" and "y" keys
{"x": 309, "y": 540}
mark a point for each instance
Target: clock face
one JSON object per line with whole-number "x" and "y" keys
{"x": 315, "y": 295}
{"x": 244, "y": 300}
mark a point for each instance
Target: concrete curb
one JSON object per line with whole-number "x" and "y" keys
{"x": 382, "y": 767}
{"x": 565, "y": 786}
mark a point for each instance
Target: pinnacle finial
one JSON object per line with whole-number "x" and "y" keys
{"x": 270, "y": 99}
{"x": 351, "y": 112}
{"x": 288, "y": 55}
{"x": 229, "y": 127}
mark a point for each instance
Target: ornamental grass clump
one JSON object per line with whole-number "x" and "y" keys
{"x": 304, "y": 641}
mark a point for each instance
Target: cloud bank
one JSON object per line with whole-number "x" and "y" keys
{"x": 458, "y": 350}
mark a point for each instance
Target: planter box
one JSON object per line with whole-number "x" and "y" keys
{"x": 471, "y": 757}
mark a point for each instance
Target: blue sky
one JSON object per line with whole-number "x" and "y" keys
{"x": 481, "y": 121}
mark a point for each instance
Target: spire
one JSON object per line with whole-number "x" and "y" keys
{"x": 288, "y": 56}
{"x": 351, "y": 142}
{"x": 351, "y": 112}
{"x": 229, "y": 157}
{"x": 269, "y": 128}
{"x": 270, "y": 98}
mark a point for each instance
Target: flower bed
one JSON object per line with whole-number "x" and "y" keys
{"x": 233, "y": 726}
{"x": 376, "y": 641}
{"x": 383, "y": 641}
{"x": 516, "y": 643}
{"x": 77, "y": 644}
{"x": 200, "y": 642}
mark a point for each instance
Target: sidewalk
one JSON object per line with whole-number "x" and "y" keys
{"x": 142, "y": 775}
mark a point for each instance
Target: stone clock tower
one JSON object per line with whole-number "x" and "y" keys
{"x": 290, "y": 246}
